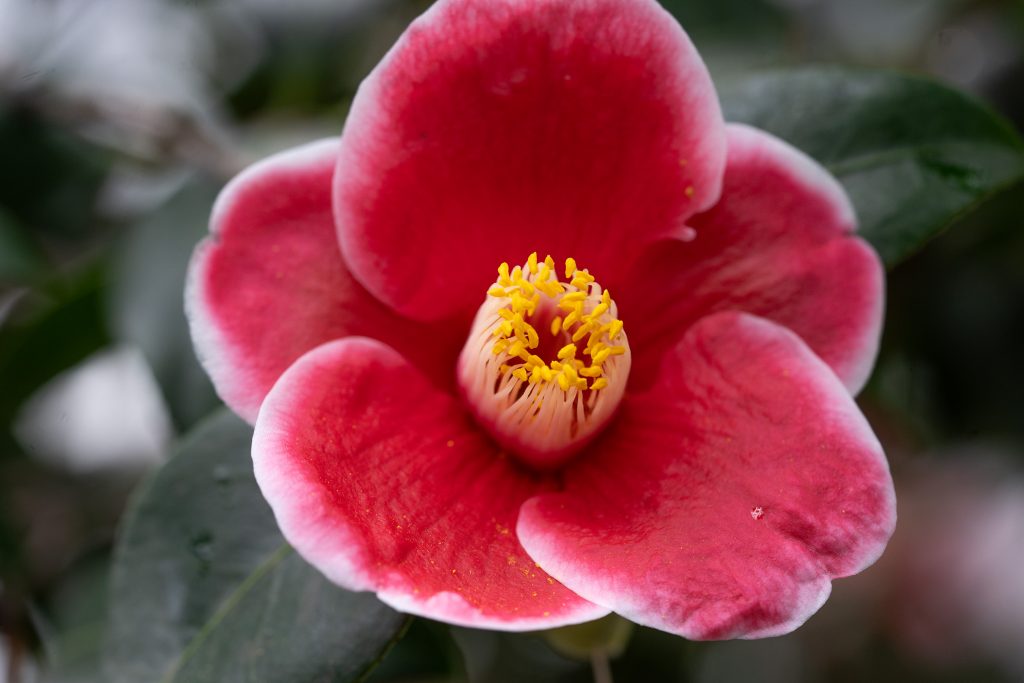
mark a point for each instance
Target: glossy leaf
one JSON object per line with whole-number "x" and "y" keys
{"x": 914, "y": 155}
{"x": 20, "y": 261}
{"x": 205, "y": 590}
{"x": 146, "y": 297}
{"x": 55, "y": 327}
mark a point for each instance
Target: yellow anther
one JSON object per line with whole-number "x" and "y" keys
{"x": 598, "y": 311}
{"x": 570, "y": 373}
{"x": 521, "y": 304}
{"x": 521, "y": 336}
{"x": 531, "y": 336}
{"x": 551, "y": 288}
{"x": 572, "y": 298}
{"x": 520, "y": 291}
{"x": 572, "y": 318}
{"x": 504, "y": 368}
{"x": 689, "y": 190}
{"x": 581, "y": 278}
{"x": 531, "y": 263}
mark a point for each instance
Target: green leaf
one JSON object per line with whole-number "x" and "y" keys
{"x": 50, "y": 178}
{"x": 58, "y": 326}
{"x": 914, "y": 155}
{"x": 147, "y": 294}
{"x": 205, "y": 589}
{"x": 20, "y": 260}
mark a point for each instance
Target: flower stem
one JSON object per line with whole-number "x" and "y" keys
{"x": 599, "y": 663}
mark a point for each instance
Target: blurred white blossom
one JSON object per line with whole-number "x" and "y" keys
{"x": 106, "y": 412}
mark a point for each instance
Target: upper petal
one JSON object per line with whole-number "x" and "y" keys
{"x": 779, "y": 244}
{"x": 723, "y": 501}
{"x": 380, "y": 481}
{"x": 270, "y": 282}
{"x": 581, "y": 128}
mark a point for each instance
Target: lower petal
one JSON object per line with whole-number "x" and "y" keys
{"x": 724, "y": 500}
{"x": 381, "y": 482}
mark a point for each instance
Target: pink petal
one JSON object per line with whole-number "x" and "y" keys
{"x": 778, "y": 244}
{"x": 723, "y": 501}
{"x": 270, "y": 283}
{"x": 494, "y": 129}
{"x": 380, "y": 481}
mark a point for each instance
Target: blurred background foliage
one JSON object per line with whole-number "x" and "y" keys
{"x": 121, "y": 119}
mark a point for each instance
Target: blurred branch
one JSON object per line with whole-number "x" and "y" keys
{"x": 149, "y": 133}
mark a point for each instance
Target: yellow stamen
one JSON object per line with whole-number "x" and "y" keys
{"x": 531, "y": 263}
{"x": 588, "y": 319}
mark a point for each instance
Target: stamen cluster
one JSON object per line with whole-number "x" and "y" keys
{"x": 546, "y": 361}
{"x": 579, "y": 318}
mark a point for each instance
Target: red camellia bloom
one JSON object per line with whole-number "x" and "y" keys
{"x": 658, "y": 424}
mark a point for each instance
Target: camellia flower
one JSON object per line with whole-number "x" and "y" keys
{"x": 541, "y": 337}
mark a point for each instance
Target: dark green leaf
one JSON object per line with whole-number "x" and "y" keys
{"x": 73, "y": 623}
{"x": 59, "y": 326}
{"x": 49, "y": 177}
{"x": 147, "y": 293}
{"x": 20, "y": 261}
{"x": 204, "y": 588}
{"x": 735, "y": 21}
{"x": 914, "y": 155}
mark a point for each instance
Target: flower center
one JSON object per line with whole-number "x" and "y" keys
{"x": 546, "y": 361}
